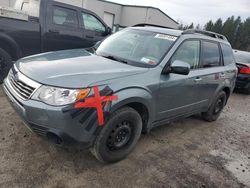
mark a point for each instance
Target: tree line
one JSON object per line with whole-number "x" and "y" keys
{"x": 236, "y": 30}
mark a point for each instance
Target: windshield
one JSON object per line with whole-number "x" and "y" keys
{"x": 242, "y": 57}
{"x": 136, "y": 47}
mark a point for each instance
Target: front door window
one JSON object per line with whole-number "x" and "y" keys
{"x": 92, "y": 23}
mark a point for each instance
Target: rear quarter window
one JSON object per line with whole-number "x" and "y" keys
{"x": 227, "y": 53}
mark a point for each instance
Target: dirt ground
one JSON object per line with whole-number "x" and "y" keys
{"x": 187, "y": 153}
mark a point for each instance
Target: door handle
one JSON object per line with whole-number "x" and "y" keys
{"x": 53, "y": 31}
{"x": 89, "y": 37}
{"x": 198, "y": 79}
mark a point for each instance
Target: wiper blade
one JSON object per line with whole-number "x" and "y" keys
{"x": 91, "y": 50}
{"x": 116, "y": 59}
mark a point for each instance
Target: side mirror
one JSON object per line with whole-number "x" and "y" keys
{"x": 179, "y": 67}
{"x": 108, "y": 31}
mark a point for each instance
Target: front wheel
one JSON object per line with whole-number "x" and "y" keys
{"x": 119, "y": 136}
{"x": 216, "y": 108}
{"x": 5, "y": 64}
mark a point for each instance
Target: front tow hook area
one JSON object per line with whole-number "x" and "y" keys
{"x": 54, "y": 138}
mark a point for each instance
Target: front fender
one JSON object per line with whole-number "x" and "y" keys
{"x": 134, "y": 95}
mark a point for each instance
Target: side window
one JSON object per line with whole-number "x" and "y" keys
{"x": 64, "y": 16}
{"x": 210, "y": 55}
{"x": 227, "y": 54}
{"x": 92, "y": 23}
{"x": 189, "y": 52}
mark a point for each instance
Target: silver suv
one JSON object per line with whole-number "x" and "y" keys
{"x": 135, "y": 80}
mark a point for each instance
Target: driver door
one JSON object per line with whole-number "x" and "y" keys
{"x": 93, "y": 30}
{"x": 179, "y": 94}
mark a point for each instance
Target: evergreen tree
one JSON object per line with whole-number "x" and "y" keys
{"x": 239, "y": 37}
{"x": 198, "y": 26}
{"x": 209, "y": 26}
{"x": 246, "y": 35}
{"x": 228, "y": 29}
{"x": 180, "y": 26}
{"x": 236, "y": 31}
{"x": 218, "y": 26}
{"x": 191, "y": 26}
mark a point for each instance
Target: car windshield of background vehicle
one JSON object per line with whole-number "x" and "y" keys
{"x": 136, "y": 47}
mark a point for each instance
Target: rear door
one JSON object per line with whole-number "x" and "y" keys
{"x": 62, "y": 28}
{"x": 212, "y": 72}
{"x": 229, "y": 64}
{"x": 92, "y": 27}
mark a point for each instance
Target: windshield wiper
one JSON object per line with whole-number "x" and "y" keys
{"x": 115, "y": 59}
{"x": 91, "y": 50}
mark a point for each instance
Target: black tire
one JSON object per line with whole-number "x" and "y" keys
{"x": 119, "y": 136}
{"x": 247, "y": 90}
{"x": 5, "y": 64}
{"x": 216, "y": 108}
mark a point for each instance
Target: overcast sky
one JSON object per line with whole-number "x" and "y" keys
{"x": 197, "y": 11}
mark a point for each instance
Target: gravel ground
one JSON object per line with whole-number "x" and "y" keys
{"x": 187, "y": 153}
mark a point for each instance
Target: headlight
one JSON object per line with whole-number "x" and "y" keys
{"x": 61, "y": 96}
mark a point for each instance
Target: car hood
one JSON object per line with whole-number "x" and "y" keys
{"x": 73, "y": 68}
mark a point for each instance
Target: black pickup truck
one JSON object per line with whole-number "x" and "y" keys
{"x": 57, "y": 26}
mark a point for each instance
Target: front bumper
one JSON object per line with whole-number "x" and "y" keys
{"x": 72, "y": 127}
{"x": 243, "y": 81}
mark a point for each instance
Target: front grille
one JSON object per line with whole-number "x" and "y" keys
{"x": 22, "y": 85}
{"x": 23, "y": 89}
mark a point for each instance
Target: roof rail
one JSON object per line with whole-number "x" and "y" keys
{"x": 150, "y": 25}
{"x": 207, "y": 33}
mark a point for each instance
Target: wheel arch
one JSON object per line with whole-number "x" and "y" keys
{"x": 10, "y": 46}
{"x": 227, "y": 91}
{"x": 141, "y": 103}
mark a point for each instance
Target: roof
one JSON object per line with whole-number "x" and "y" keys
{"x": 173, "y": 32}
{"x": 177, "y": 33}
{"x": 139, "y": 6}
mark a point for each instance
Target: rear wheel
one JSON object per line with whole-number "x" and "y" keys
{"x": 5, "y": 64}
{"x": 119, "y": 136}
{"x": 247, "y": 90}
{"x": 216, "y": 108}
